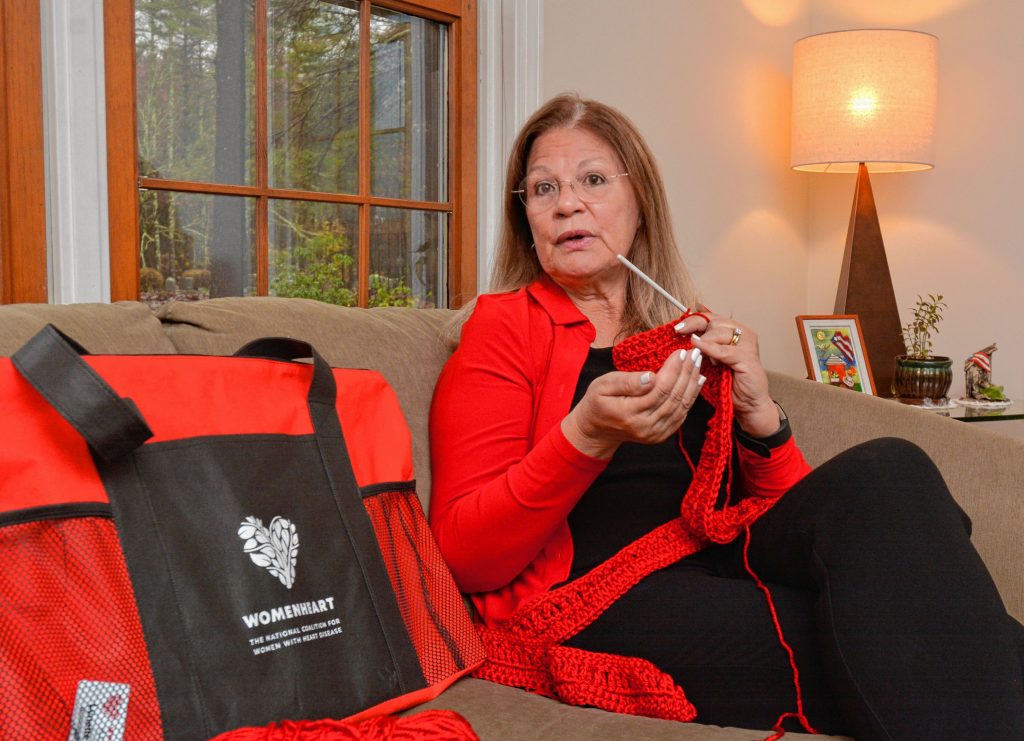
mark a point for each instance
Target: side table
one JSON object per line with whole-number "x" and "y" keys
{"x": 978, "y": 414}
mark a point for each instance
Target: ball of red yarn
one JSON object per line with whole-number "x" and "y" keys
{"x": 439, "y": 725}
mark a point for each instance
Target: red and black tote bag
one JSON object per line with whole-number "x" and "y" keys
{"x": 275, "y": 547}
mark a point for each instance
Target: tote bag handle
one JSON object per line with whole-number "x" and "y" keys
{"x": 52, "y": 363}
{"x": 111, "y": 424}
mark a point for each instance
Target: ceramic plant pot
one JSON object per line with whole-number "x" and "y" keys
{"x": 917, "y": 380}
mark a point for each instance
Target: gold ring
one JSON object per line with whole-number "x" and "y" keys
{"x": 736, "y": 334}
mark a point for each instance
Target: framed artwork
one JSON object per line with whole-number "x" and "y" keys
{"x": 833, "y": 346}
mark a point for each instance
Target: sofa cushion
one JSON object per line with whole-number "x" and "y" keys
{"x": 498, "y": 712}
{"x": 125, "y": 327}
{"x": 403, "y": 345}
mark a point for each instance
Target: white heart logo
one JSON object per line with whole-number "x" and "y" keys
{"x": 275, "y": 549}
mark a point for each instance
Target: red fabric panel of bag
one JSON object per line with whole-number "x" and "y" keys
{"x": 432, "y": 609}
{"x": 70, "y": 615}
{"x": 46, "y": 462}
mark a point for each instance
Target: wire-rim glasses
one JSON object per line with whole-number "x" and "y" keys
{"x": 540, "y": 194}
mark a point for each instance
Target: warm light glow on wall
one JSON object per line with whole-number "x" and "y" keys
{"x": 864, "y": 96}
{"x": 776, "y": 13}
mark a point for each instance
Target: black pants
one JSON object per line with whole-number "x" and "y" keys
{"x": 898, "y": 630}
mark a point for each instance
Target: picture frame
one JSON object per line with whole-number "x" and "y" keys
{"x": 834, "y": 351}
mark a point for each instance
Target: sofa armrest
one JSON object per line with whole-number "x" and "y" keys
{"x": 983, "y": 469}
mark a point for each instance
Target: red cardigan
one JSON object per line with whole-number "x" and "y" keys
{"x": 504, "y": 476}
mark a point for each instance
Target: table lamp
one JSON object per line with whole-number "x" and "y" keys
{"x": 864, "y": 101}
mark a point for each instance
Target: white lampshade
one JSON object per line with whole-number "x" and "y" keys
{"x": 864, "y": 96}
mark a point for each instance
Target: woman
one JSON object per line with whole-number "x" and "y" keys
{"x": 547, "y": 461}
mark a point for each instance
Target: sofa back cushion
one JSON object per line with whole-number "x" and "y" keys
{"x": 403, "y": 345}
{"x": 125, "y": 327}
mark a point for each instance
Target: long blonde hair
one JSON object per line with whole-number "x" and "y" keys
{"x": 654, "y": 247}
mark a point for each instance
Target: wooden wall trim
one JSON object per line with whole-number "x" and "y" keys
{"x": 462, "y": 265}
{"x": 23, "y": 274}
{"x": 122, "y": 178}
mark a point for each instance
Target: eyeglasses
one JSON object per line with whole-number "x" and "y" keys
{"x": 540, "y": 194}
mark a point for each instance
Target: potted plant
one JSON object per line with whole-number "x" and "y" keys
{"x": 919, "y": 374}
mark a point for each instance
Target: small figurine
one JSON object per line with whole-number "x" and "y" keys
{"x": 978, "y": 372}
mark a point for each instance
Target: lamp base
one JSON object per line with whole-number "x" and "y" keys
{"x": 865, "y": 287}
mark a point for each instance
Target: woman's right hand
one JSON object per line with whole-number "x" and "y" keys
{"x": 634, "y": 407}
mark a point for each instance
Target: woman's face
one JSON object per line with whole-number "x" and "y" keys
{"x": 577, "y": 241}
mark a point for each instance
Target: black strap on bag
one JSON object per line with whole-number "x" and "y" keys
{"x": 51, "y": 361}
{"x": 190, "y": 673}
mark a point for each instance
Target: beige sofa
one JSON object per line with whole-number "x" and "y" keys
{"x": 983, "y": 469}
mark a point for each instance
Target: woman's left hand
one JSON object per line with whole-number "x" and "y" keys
{"x": 726, "y": 341}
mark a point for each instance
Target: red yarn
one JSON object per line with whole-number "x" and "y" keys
{"x": 799, "y": 714}
{"x": 439, "y": 725}
{"x": 526, "y": 651}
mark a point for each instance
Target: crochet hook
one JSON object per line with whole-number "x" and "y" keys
{"x": 648, "y": 280}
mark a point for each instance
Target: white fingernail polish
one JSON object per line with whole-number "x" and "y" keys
{"x": 698, "y": 361}
{"x": 700, "y": 381}
{"x": 695, "y": 355}
{"x": 646, "y": 378}
{"x": 682, "y": 355}
{"x": 680, "y": 327}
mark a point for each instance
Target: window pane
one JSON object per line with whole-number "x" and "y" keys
{"x": 314, "y": 251}
{"x": 409, "y": 106}
{"x": 194, "y": 62}
{"x": 408, "y": 256}
{"x": 195, "y": 246}
{"x": 313, "y": 87}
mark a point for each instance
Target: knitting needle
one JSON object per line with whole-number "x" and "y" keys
{"x": 648, "y": 280}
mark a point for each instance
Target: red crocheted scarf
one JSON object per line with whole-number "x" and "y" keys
{"x": 527, "y": 650}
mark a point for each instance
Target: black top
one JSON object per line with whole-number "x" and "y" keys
{"x": 641, "y": 488}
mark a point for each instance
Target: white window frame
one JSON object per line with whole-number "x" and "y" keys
{"x": 510, "y": 34}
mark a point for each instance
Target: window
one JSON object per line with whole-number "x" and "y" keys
{"x": 314, "y": 148}
{"x": 23, "y": 275}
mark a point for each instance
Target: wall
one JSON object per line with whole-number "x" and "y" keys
{"x": 952, "y": 230}
{"x": 707, "y": 82}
